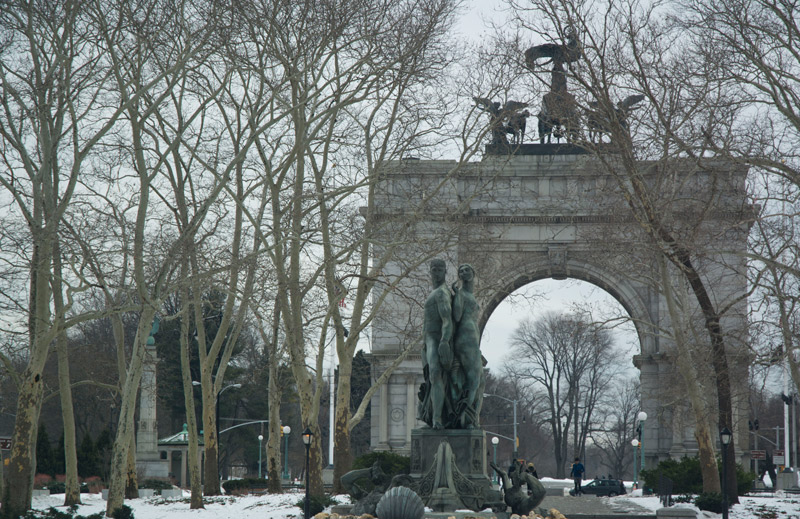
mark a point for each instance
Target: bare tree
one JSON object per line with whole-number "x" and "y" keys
{"x": 53, "y": 79}
{"x": 165, "y": 48}
{"x": 571, "y": 361}
{"x": 614, "y": 434}
{"x": 349, "y": 96}
{"x": 533, "y": 442}
{"x": 750, "y": 45}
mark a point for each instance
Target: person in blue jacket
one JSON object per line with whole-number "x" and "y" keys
{"x": 576, "y": 473}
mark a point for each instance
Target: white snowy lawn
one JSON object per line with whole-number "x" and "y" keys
{"x": 283, "y": 506}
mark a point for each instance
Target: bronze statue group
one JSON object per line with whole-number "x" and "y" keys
{"x": 450, "y": 398}
{"x": 452, "y": 394}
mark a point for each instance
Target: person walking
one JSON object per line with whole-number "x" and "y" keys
{"x": 576, "y": 473}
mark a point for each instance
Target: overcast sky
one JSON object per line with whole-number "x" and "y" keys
{"x": 549, "y": 295}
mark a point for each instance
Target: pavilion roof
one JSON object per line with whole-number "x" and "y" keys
{"x": 181, "y": 438}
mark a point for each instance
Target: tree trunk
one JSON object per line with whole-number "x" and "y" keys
{"x": 341, "y": 426}
{"x": 22, "y": 463}
{"x": 125, "y": 425}
{"x": 719, "y": 360}
{"x": 680, "y": 256}
{"x": 687, "y": 366}
{"x": 316, "y": 488}
{"x": 188, "y": 399}
{"x": 274, "y": 461}
{"x": 131, "y": 478}
{"x": 2, "y": 477}
{"x": 72, "y": 489}
{"x": 195, "y": 478}
{"x": 211, "y": 487}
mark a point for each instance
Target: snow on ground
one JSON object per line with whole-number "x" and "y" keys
{"x": 761, "y": 507}
{"x": 283, "y": 506}
{"x": 265, "y": 506}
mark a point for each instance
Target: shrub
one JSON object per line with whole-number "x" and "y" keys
{"x": 744, "y": 480}
{"x": 687, "y": 477}
{"x": 391, "y": 463}
{"x": 123, "y": 512}
{"x": 42, "y": 480}
{"x": 709, "y": 501}
{"x": 317, "y": 504}
{"x": 54, "y": 513}
{"x": 155, "y": 484}
{"x": 242, "y": 486}
{"x": 257, "y": 482}
{"x": 235, "y": 486}
{"x": 59, "y": 487}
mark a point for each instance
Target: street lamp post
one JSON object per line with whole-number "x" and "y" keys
{"x": 237, "y": 386}
{"x": 219, "y": 444}
{"x": 635, "y": 444}
{"x": 495, "y": 441}
{"x": 725, "y": 437}
{"x": 642, "y": 416}
{"x": 307, "y": 434}
{"x": 216, "y": 408}
{"x": 286, "y": 431}
{"x": 516, "y": 438}
{"x": 260, "y": 439}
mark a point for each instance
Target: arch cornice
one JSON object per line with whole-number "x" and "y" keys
{"x": 624, "y": 290}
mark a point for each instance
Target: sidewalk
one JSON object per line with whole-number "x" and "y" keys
{"x": 586, "y": 507}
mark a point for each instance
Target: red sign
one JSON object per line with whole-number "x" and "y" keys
{"x": 758, "y": 455}
{"x": 5, "y": 444}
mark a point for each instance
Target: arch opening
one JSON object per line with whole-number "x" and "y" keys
{"x": 534, "y": 299}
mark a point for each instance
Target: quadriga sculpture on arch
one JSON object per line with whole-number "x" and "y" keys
{"x": 558, "y": 116}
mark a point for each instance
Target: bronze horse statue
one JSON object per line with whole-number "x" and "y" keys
{"x": 508, "y": 120}
{"x": 599, "y": 122}
{"x": 558, "y": 117}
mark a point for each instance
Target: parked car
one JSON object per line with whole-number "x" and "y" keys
{"x": 602, "y": 487}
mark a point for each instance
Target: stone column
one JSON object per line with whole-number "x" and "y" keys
{"x": 411, "y": 406}
{"x": 147, "y": 433}
{"x": 184, "y": 464}
{"x": 383, "y": 418}
{"x": 148, "y": 460}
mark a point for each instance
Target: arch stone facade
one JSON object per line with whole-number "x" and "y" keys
{"x": 558, "y": 213}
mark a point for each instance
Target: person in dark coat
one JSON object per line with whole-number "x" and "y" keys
{"x": 576, "y": 473}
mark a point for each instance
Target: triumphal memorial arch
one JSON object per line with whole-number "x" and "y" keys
{"x": 557, "y": 211}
